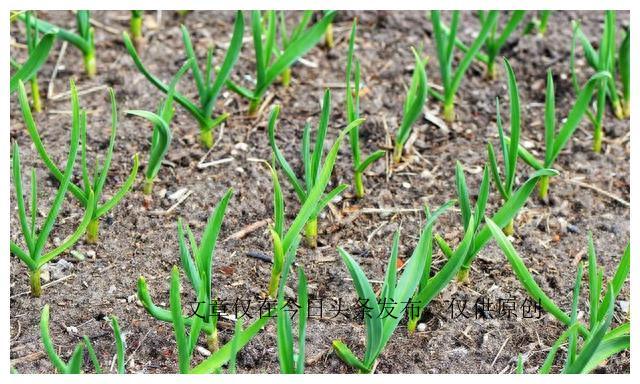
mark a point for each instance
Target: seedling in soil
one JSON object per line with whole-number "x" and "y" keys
{"x": 555, "y": 143}
{"x": 538, "y": 23}
{"x": 161, "y": 139}
{"x": 607, "y": 59}
{"x": 385, "y": 314}
{"x": 413, "y": 106}
{"x": 91, "y": 184}
{"x": 314, "y": 169}
{"x": 291, "y": 362}
{"x": 445, "y": 39}
{"x": 328, "y": 36}
{"x": 38, "y": 53}
{"x": 603, "y": 60}
{"x": 197, "y": 262}
{"x": 36, "y": 238}
{"x": 187, "y": 341}
{"x": 83, "y": 39}
{"x": 431, "y": 286}
{"x": 509, "y": 148}
{"x": 286, "y": 38}
{"x": 502, "y": 217}
{"x": 208, "y": 88}
{"x": 286, "y": 243}
{"x": 270, "y": 62}
{"x": 599, "y": 341}
{"x": 495, "y": 40}
{"x": 135, "y": 27}
{"x": 75, "y": 363}
{"x": 29, "y": 70}
{"x": 352, "y": 98}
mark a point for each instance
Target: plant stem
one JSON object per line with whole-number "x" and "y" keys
{"x": 448, "y": 113}
{"x": 397, "y": 152}
{"x": 617, "y": 110}
{"x": 359, "y": 187}
{"x": 36, "y": 288}
{"x": 626, "y": 108}
{"x": 286, "y": 77}
{"x": 597, "y": 138}
{"x": 253, "y": 107}
{"x": 273, "y": 283}
{"x": 90, "y": 63}
{"x": 544, "y": 187}
{"x": 463, "y": 275}
{"x": 147, "y": 187}
{"x": 412, "y": 323}
{"x": 212, "y": 341}
{"x": 508, "y": 230}
{"x": 35, "y": 94}
{"x": 92, "y": 231}
{"x": 311, "y": 232}
{"x": 206, "y": 138}
{"x": 328, "y": 36}
{"x": 491, "y": 73}
{"x": 136, "y": 31}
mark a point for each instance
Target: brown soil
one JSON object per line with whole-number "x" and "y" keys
{"x": 135, "y": 240}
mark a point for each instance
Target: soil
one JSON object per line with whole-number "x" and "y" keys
{"x": 141, "y": 240}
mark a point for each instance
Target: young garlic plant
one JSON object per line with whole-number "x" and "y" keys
{"x": 83, "y": 39}
{"x": 92, "y": 184}
{"x": 352, "y": 98}
{"x": 607, "y": 58}
{"x": 285, "y": 242}
{"x": 328, "y": 35}
{"x": 271, "y": 63}
{"x": 445, "y": 40}
{"x": 135, "y": 27}
{"x": 312, "y": 165}
{"x": 383, "y": 315}
{"x": 538, "y": 23}
{"x": 599, "y": 341}
{"x": 28, "y": 71}
{"x": 161, "y": 138}
{"x": 75, "y": 363}
{"x": 290, "y": 361}
{"x": 38, "y": 50}
{"x": 34, "y": 256}
{"x": 556, "y": 141}
{"x": 495, "y": 40}
{"x": 509, "y": 148}
{"x": 431, "y": 286}
{"x": 604, "y": 60}
{"x": 502, "y": 217}
{"x": 413, "y": 105}
{"x": 208, "y": 89}
{"x": 286, "y": 38}
{"x": 197, "y": 261}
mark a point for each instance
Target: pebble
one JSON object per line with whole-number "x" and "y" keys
{"x": 242, "y": 147}
{"x": 203, "y": 351}
{"x": 177, "y": 194}
{"x": 624, "y": 305}
{"x": 406, "y": 185}
{"x": 422, "y": 327}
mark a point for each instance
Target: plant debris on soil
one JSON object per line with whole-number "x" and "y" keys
{"x": 140, "y": 237}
